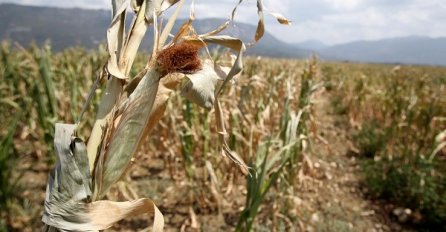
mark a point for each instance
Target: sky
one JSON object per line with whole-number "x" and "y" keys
{"x": 328, "y": 21}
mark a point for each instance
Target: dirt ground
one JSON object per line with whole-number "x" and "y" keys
{"x": 330, "y": 196}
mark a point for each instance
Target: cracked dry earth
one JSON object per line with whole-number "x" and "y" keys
{"x": 330, "y": 196}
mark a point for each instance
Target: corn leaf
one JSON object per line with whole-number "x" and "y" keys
{"x": 68, "y": 203}
{"x": 260, "y": 31}
{"x": 115, "y": 36}
{"x": 168, "y": 28}
{"x": 131, "y": 45}
{"x": 235, "y": 9}
{"x": 229, "y": 42}
{"x": 221, "y": 134}
{"x": 111, "y": 94}
{"x": 167, "y": 85}
{"x": 200, "y": 87}
{"x": 156, "y": 7}
{"x": 280, "y": 18}
{"x": 125, "y": 139}
{"x": 101, "y": 215}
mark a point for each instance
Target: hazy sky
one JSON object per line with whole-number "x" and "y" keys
{"x": 330, "y": 21}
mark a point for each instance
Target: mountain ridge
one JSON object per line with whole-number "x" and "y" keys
{"x": 67, "y": 27}
{"x": 86, "y": 27}
{"x": 421, "y": 50}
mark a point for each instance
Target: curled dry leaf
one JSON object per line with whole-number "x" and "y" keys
{"x": 200, "y": 87}
{"x": 156, "y": 7}
{"x": 229, "y": 42}
{"x": 260, "y": 31}
{"x": 68, "y": 203}
{"x": 205, "y": 92}
{"x": 131, "y": 45}
{"x": 280, "y": 18}
{"x": 115, "y": 36}
{"x": 225, "y": 148}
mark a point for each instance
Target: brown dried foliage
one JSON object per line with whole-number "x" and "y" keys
{"x": 182, "y": 58}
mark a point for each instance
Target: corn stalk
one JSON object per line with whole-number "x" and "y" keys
{"x": 128, "y": 111}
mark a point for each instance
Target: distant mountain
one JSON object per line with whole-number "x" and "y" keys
{"x": 64, "y": 27}
{"x": 313, "y": 45}
{"x": 70, "y": 27}
{"x": 87, "y": 28}
{"x": 404, "y": 50}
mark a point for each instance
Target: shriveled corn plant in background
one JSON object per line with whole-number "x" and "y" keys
{"x": 8, "y": 182}
{"x": 277, "y": 157}
{"x": 128, "y": 111}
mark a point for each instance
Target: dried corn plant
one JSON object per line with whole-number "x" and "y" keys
{"x": 131, "y": 107}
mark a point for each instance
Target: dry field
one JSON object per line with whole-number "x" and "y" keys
{"x": 331, "y": 146}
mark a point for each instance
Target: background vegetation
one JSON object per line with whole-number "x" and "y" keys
{"x": 392, "y": 114}
{"x": 397, "y": 115}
